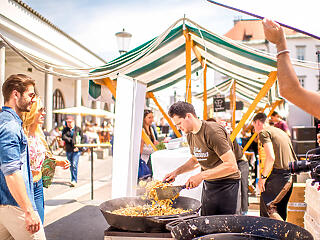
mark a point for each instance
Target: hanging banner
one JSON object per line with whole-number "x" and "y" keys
{"x": 219, "y": 103}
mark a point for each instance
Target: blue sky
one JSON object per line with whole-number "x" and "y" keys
{"x": 94, "y": 23}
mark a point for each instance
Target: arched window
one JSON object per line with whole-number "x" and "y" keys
{"x": 58, "y": 103}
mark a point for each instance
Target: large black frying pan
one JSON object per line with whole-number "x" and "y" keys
{"x": 265, "y": 228}
{"x": 145, "y": 224}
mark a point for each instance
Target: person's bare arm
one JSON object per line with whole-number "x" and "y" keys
{"x": 226, "y": 168}
{"x": 268, "y": 165}
{"x": 191, "y": 164}
{"x": 289, "y": 85}
{"x": 17, "y": 189}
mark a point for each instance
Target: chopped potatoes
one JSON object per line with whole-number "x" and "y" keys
{"x": 158, "y": 207}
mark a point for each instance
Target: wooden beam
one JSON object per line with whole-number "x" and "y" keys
{"x": 205, "y": 96}
{"x": 188, "y": 66}
{"x": 264, "y": 90}
{"x": 147, "y": 140}
{"x": 109, "y": 83}
{"x": 233, "y": 104}
{"x": 276, "y": 104}
{"x": 165, "y": 115}
{"x": 197, "y": 53}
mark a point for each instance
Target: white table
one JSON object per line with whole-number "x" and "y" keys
{"x": 166, "y": 161}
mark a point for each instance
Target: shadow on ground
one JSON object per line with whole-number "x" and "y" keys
{"x": 57, "y": 202}
{"x": 86, "y": 223}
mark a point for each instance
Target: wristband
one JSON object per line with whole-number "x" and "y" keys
{"x": 283, "y": 51}
{"x": 263, "y": 177}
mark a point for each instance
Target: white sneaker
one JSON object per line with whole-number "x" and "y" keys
{"x": 73, "y": 183}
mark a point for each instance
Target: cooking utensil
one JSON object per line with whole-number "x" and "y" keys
{"x": 169, "y": 192}
{"x": 260, "y": 226}
{"x": 145, "y": 223}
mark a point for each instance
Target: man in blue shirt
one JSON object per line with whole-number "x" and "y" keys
{"x": 18, "y": 215}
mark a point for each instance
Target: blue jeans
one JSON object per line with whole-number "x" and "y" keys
{"x": 73, "y": 158}
{"x": 38, "y": 198}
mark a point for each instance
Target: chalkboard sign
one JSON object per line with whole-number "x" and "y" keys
{"x": 219, "y": 103}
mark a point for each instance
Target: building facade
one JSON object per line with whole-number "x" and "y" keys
{"x": 32, "y": 35}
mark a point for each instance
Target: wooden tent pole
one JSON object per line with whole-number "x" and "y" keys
{"x": 233, "y": 104}
{"x": 165, "y": 115}
{"x": 205, "y": 98}
{"x": 188, "y": 66}
{"x": 266, "y": 87}
{"x": 276, "y": 104}
{"x": 109, "y": 83}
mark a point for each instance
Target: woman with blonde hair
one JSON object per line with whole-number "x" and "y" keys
{"x": 38, "y": 150}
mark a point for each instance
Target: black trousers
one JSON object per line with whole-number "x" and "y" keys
{"x": 274, "y": 184}
{"x": 219, "y": 197}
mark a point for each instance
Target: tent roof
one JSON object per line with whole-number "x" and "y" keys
{"x": 161, "y": 62}
{"x": 242, "y": 93}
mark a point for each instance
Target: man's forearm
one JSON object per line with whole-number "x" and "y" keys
{"x": 223, "y": 170}
{"x": 268, "y": 165}
{"x": 191, "y": 164}
{"x": 18, "y": 190}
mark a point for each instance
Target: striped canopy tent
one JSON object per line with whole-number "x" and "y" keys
{"x": 161, "y": 62}
{"x": 185, "y": 48}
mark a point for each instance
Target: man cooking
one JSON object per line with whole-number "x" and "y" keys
{"x": 212, "y": 149}
{"x": 275, "y": 182}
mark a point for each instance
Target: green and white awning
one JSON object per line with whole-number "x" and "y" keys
{"x": 243, "y": 93}
{"x": 161, "y": 62}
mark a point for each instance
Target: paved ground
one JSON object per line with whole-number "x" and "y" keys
{"x": 69, "y": 212}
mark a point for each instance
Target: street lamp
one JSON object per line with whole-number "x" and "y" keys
{"x": 123, "y": 41}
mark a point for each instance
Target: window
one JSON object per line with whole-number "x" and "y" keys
{"x": 318, "y": 53}
{"x": 301, "y": 52}
{"x": 302, "y": 80}
{"x": 58, "y": 103}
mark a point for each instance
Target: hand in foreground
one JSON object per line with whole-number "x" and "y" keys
{"x": 76, "y": 149}
{"x": 170, "y": 177}
{"x": 318, "y": 138}
{"x": 32, "y": 221}
{"x": 273, "y": 32}
{"x": 194, "y": 181}
{"x": 261, "y": 184}
{"x": 65, "y": 164}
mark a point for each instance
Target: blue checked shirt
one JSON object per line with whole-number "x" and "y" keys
{"x": 14, "y": 155}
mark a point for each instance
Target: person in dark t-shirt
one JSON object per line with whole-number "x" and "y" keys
{"x": 275, "y": 182}
{"x": 212, "y": 149}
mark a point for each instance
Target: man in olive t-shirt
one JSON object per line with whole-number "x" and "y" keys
{"x": 212, "y": 149}
{"x": 275, "y": 176}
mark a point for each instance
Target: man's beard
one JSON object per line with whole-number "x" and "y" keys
{"x": 22, "y": 105}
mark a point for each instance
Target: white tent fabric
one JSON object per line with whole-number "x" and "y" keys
{"x": 85, "y": 111}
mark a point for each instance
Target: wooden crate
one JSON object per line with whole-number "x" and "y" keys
{"x": 297, "y": 205}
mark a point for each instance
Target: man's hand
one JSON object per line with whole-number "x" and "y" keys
{"x": 261, "y": 184}
{"x": 170, "y": 177}
{"x": 65, "y": 164}
{"x": 76, "y": 149}
{"x": 274, "y": 33}
{"x": 194, "y": 181}
{"x": 318, "y": 138}
{"x": 32, "y": 221}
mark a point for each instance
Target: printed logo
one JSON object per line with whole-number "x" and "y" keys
{"x": 201, "y": 156}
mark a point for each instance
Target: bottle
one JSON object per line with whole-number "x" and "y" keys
{"x": 78, "y": 139}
